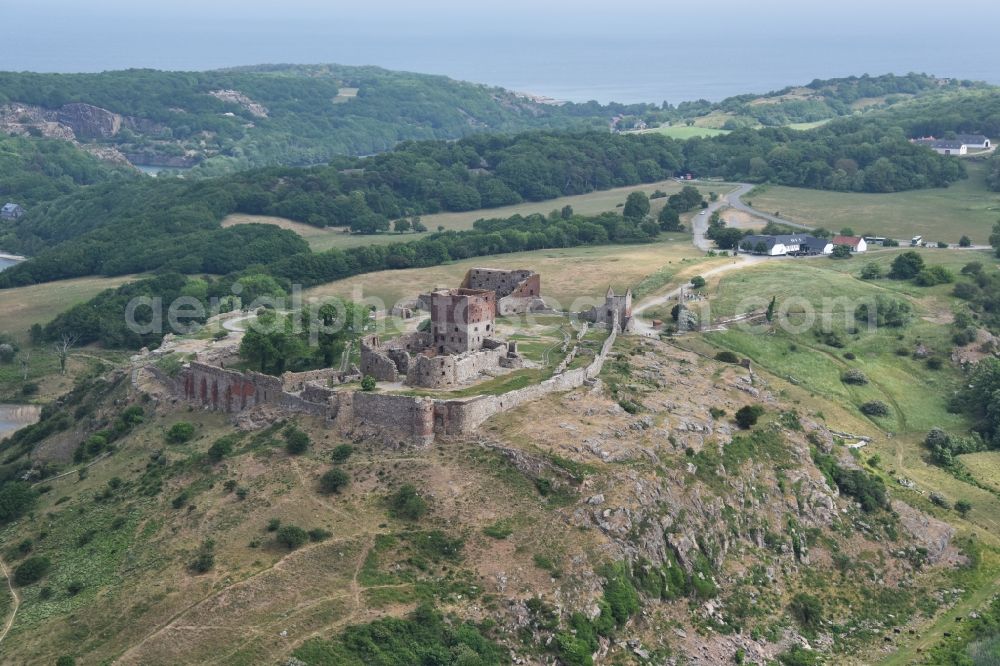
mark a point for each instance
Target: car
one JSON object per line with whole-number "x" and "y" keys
{"x": 703, "y": 212}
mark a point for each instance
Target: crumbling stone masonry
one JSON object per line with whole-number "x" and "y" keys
{"x": 517, "y": 291}
{"x": 616, "y": 306}
{"x": 395, "y": 417}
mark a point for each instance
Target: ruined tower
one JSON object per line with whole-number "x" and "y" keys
{"x": 461, "y": 319}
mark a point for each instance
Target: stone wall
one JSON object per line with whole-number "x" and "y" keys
{"x": 411, "y": 418}
{"x": 296, "y": 381}
{"x": 375, "y": 361}
{"x": 408, "y": 416}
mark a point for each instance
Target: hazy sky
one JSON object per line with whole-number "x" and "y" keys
{"x": 579, "y": 49}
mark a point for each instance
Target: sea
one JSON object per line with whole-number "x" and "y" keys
{"x": 629, "y": 55}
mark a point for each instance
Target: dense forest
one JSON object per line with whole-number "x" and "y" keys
{"x": 288, "y": 115}
{"x": 822, "y": 99}
{"x": 114, "y": 230}
{"x": 34, "y": 170}
{"x": 101, "y": 319}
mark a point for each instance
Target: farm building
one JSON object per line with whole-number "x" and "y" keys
{"x": 11, "y": 211}
{"x": 856, "y": 243}
{"x": 974, "y": 140}
{"x": 781, "y": 245}
{"x": 945, "y": 146}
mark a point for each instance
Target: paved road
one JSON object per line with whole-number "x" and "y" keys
{"x": 733, "y": 199}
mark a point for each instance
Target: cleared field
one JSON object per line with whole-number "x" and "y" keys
{"x": 592, "y": 203}
{"x": 808, "y": 126}
{"x": 24, "y": 306}
{"x": 684, "y": 132}
{"x": 567, "y": 274}
{"x": 944, "y": 214}
{"x": 985, "y": 467}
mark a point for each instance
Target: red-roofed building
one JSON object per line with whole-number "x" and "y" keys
{"x": 856, "y": 243}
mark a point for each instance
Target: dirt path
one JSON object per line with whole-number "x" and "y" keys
{"x": 14, "y": 596}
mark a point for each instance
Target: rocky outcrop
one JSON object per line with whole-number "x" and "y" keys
{"x": 90, "y": 122}
{"x": 236, "y": 97}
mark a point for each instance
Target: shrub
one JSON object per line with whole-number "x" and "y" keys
{"x": 854, "y": 376}
{"x": 31, "y": 570}
{"x": 65, "y": 660}
{"x": 292, "y": 537}
{"x": 727, "y": 357}
{"x": 74, "y": 588}
{"x": 319, "y": 534}
{"x": 333, "y": 481}
{"x": 501, "y": 529}
{"x": 620, "y": 594}
{"x": 747, "y": 416}
{"x": 180, "y": 433}
{"x": 934, "y": 363}
{"x": 273, "y": 524}
{"x": 807, "y": 610}
{"x": 220, "y": 448}
{"x": 934, "y": 275}
{"x": 716, "y": 412}
{"x": 841, "y": 252}
{"x": 871, "y": 271}
{"x": 850, "y": 356}
{"x": 963, "y": 507}
{"x": 906, "y": 266}
{"x": 875, "y": 408}
{"x": 407, "y": 504}
{"x": 296, "y": 441}
{"x": 368, "y": 383}
{"x": 341, "y": 453}
{"x": 940, "y": 500}
{"x": 884, "y": 311}
{"x": 697, "y": 282}
{"x": 965, "y": 241}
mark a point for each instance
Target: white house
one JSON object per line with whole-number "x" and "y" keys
{"x": 856, "y": 243}
{"x": 781, "y": 245}
{"x": 11, "y": 211}
{"x": 945, "y": 146}
{"x": 974, "y": 140}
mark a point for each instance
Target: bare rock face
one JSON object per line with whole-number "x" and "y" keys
{"x": 931, "y": 533}
{"x": 90, "y": 121}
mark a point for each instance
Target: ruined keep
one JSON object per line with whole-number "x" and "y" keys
{"x": 517, "y": 291}
{"x": 459, "y": 347}
{"x": 461, "y": 319}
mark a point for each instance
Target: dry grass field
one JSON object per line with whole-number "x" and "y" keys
{"x": 567, "y": 274}
{"x": 24, "y": 306}
{"x": 592, "y": 203}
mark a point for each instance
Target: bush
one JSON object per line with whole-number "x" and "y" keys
{"x": 934, "y": 275}
{"x": 906, "y": 266}
{"x": 296, "y": 441}
{"x": 407, "y": 504}
{"x": 333, "y": 481}
{"x": 273, "y": 524}
{"x": 875, "y": 408}
{"x": 292, "y": 537}
{"x": 934, "y": 363}
{"x": 841, "y": 252}
{"x": 727, "y": 357}
{"x": 220, "y": 448}
{"x": 965, "y": 241}
{"x": 963, "y": 507}
{"x": 341, "y": 453}
{"x": 884, "y": 311}
{"x": 871, "y": 271}
{"x": 697, "y": 282}
{"x": 319, "y": 534}
{"x": 807, "y": 611}
{"x": 180, "y": 433}
{"x": 31, "y": 570}
{"x": 855, "y": 377}
{"x": 747, "y": 416}
{"x": 65, "y": 660}
{"x": 368, "y": 383}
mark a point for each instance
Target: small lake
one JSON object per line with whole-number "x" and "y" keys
{"x": 15, "y": 417}
{"x": 6, "y": 263}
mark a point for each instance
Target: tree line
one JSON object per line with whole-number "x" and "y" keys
{"x": 139, "y": 226}
{"x": 102, "y": 318}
